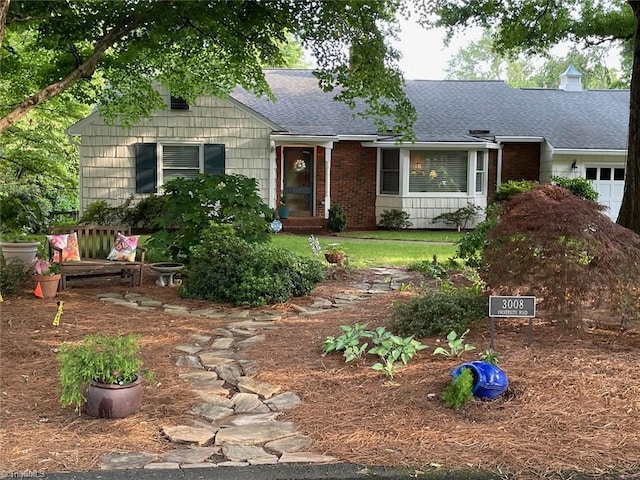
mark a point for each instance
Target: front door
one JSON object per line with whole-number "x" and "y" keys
{"x": 298, "y": 180}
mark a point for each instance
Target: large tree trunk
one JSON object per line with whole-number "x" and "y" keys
{"x": 629, "y": 216}
{"x": 4, "y": 10}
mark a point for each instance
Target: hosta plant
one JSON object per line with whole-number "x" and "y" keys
{"x": 456, "y": 345}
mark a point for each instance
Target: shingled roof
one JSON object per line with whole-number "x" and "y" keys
{"x": 447, "y": 110}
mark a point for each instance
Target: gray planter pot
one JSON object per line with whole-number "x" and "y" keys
{"x": 24, "y": 252}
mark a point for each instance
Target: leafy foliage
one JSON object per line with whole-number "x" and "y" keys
{"x": 552, "y": 244}
{"x": 12, "y": 277}
{"x": 506, "y": 191}
{"x": 456, "y": 345}
{"x": 580, "y": 187}
{"x": 226, "y": 268}
{"x": 395, "y": 219}
{"x": 23, "y": 209}
{"x": 391, "y": 348}
{"x": 98, "y": 358}
{"x": 126, "y": 43}
{"x": 458, "y": 392}
{"x": 490, "y": 356}
{"x": 337, "y": 220}
{"x": 191, "y": 205}
{"x": 439, "y": 311}
{"x": 461, "y": 217}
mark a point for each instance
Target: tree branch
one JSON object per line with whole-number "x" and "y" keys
{"x": 84, "y": 70}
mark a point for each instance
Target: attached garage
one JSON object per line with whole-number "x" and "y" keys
{"x": 608, "y": 181}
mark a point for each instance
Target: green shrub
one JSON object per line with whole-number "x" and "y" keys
{"x": 23, "y": 209}
{"x": 12, "y": 277}
{"x": 101, "y": 213}
{"x": 145, "y": 214}
{"x": 473, "y": 243}
{"x": 337, "y": 220}
{"x": 193, "y": 204}
{"x": 437, "y": 312}
{"x": 580, "y": 187}
{"x": 461, "y": 217}
{"x": 226, "y": 268}
{"x": 508, "y": 190}
{"x": 458, "y": 392}
{"x": 395, "y": 219}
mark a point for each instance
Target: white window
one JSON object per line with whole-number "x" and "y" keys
{"x": 180, "y": 161}
{"x": 480, "y": 171}
{"x": 436, "y": 171}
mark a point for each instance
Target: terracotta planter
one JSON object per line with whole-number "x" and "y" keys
{"x": 336, "y": 258}
{"x": 113, "y": 401}
{"x": 48, "y": 284}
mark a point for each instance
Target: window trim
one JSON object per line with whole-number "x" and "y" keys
{"x": 160, "y": 156}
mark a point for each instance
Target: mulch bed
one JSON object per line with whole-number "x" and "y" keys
{"x": 573, "y": 404}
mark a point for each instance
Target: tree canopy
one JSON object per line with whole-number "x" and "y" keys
{"x": 204, "y": 48}
{"x": 533, "y": 26}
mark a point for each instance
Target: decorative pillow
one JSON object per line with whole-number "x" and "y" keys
{"x": 124, "y": 248}
{"x": 69, "y": 245}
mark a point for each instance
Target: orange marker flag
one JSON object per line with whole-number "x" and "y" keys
{"x": 38, "y": 291}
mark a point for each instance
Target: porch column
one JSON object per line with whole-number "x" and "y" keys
{"x": 272, "y": 175}
{"x": 327, "y": 179}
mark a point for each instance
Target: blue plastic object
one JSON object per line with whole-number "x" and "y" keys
{"x": 489, "y": 381}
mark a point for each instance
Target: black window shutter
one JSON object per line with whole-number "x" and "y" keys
{"x": 146, "y": 168}
{"x": 214, "y": 159}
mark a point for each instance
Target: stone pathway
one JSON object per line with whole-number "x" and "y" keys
{"x": 235, "y": 417}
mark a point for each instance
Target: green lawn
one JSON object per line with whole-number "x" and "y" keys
{"x": 370, "y": 252}
{"x": 408, "y": 235}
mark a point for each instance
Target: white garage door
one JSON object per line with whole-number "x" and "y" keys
{"x": 609, "y": 183}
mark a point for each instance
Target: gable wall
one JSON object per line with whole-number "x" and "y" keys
{"x": 107, "y": 157}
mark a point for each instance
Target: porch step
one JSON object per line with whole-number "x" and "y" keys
{"x": 304, "y": 225}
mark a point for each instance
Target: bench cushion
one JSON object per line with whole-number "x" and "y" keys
{"x": 68, "y": 243}
{"x": 124, "y": 248}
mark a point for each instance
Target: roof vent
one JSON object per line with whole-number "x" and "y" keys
{"x": 571, "y": 80}
{"x": 480, "y": 133}
{"x": 178, "y": 103}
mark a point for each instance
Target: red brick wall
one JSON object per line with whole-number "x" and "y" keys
{"x": 521, "y": 161}
{"x": 353, "y": 183}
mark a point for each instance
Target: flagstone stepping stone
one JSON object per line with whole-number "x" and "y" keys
{"x": 252, "y": 418}
{"x": 222, "y": 343}
{"x": 305, "y": 457}
{"x": 230, "y": 372}
{"x": 309, "y": 313}
{"x": 248, "y": 403}
{"x": 239, "y": 314}
{"x": 128, "y": 460}
{"x": 188, "y": 348}
{"x": 188, "y": 361}
{"x": 115, "y": 300}
{"x": 252, "y": 324}
{"x": 298, "y": 308}
{"x": 248, "y": 367}
{"x": 222, "y": 353}
{"x": 162, "y": 466}
{"x": 199, "y": 465}
{"x": 254, "y": 434}
{"x": 168, "y": 306}
{"x": 251, "y": 385}
{"x": 197, "y": 376}
{"x": 248, "y": 453}
{"x": 205, "y": 312}
{"x": 294, "y": 443}
{"x": 284, "y": 401}
{"x": 190, "y": 455}
{"x": 222, "y": 332}
{"x": 210, "y": 394}
{"x": 187, "y": 434}
{"x": 251, "y": 341}
{"x": 267, "y": 317}
{"x": 149, "y": 303}
{"x": 201, "y": 339}
{"x": 319, "y": 302}
{"x": 211, "y": 360}
{"x": 244, "y": 332}
{"x": 347, "y": 297}
{"x": 211, "y": 412}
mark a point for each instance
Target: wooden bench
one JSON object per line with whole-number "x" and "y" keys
{"x": 95, "y": 243}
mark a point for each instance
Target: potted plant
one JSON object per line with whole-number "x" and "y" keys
{"x": 17, "y": 247}
{"x": 102, "y": 375}
{"x": 47, "y": 276}
{"x": 283, "y": 209}
{"x": 334, "y": 254}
